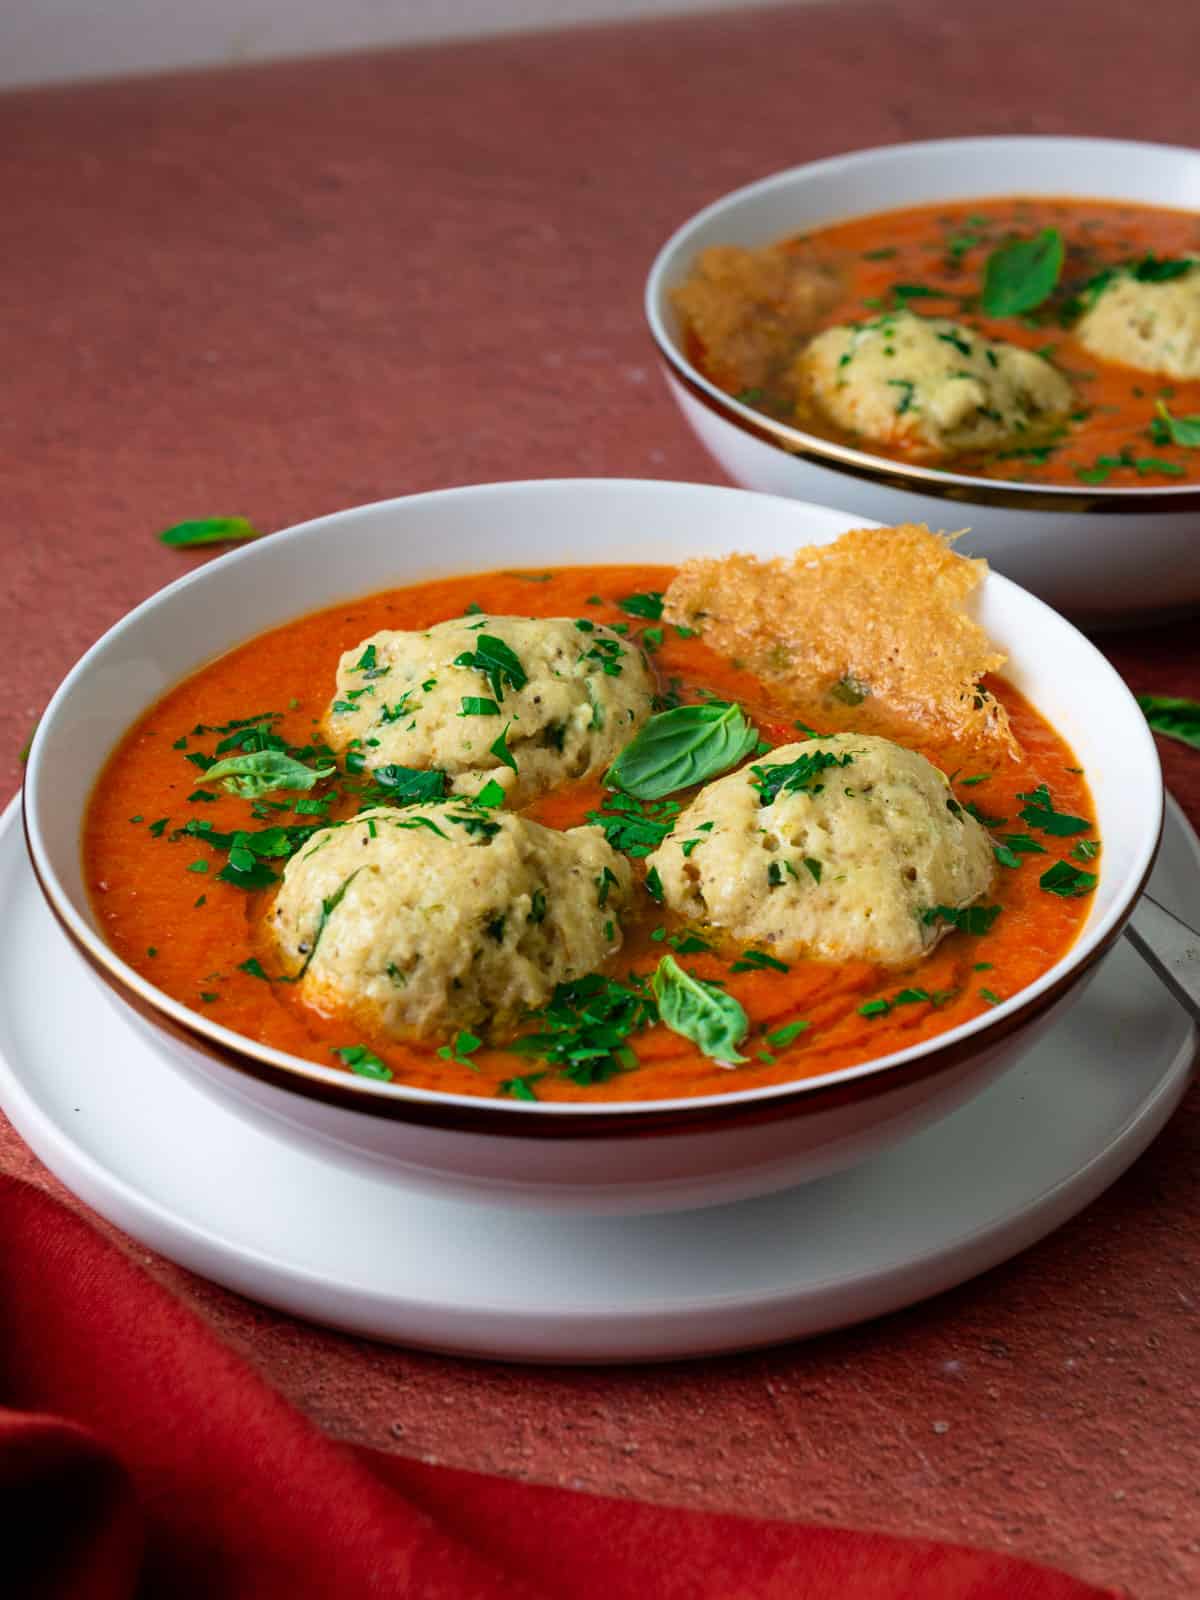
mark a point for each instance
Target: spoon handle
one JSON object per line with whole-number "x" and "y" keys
{"x": 1170, "y": 947}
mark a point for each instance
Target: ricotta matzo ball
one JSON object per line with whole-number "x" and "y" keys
{"x": 929, "y": 385}
{"x": 427, "y": 918}
{"x": 832, "y": 848}
{"x": 1149, "y": 323}
{"x": 567, "y": 694}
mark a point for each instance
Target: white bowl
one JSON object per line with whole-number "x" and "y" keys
{"x": 631, "y": 1156}
{"x": 1102, "y": 555}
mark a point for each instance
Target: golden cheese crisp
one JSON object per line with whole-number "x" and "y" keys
{"x": 874, "y": 625}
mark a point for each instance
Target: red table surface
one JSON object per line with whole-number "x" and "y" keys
{"x": 279, "y": 291}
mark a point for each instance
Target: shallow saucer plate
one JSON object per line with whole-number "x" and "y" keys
{"x": 182, "y": 1173}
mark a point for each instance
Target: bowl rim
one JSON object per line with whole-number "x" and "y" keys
{"x": 560, "y": 1119}
{"x": 913, "y": 477}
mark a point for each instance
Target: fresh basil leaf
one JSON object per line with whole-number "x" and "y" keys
{"x": 1020, "y": 275}
{"x": 262, "y": 771}
{"x": 1173, "y": 716}
{"x": 209, "y": 530}
{"x": 699, "y": 1011}
{"x": 682, "y": 747}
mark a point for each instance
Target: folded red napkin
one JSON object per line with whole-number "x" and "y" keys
{"x": 140, "y": 1459}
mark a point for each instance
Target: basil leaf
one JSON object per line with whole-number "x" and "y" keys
{"x": 1020, "y": 275}
{"x": 699, "y": 1011}
{"x": 1173, "y": 716}
{"x": 209, "y": 530}
{"x": 262, "y": 771}
{"x": 1183, "y": 431}
{"x": 681, "y": 747}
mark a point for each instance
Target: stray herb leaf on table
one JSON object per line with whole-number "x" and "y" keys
{"x": 209, "y": 530}
{"x": 1173, "y": 716}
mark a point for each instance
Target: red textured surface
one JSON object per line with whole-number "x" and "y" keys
{"x": 280, "y": 291}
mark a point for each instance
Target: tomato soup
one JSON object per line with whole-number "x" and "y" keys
{"x": 932, "y": 260}
{"x": 161, "y": 904}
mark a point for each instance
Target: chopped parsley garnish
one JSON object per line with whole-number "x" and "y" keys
{"x": 780, "y": 1038}
{"x": 758, "y": 961}
{"x": 632, "y": 828}
{"x": 1086, "y": 850}
{"x": 501, "y": 751}
{"x": 474, "y": 705}
{"x": 643, "y": 605}
{"x": 1067, "y": 881}
{"x": 496, "y": 661}
{"x": 461, "y": 1048}
{"x": 198, "y": 866}
{"x": 521, "y": 1088}
{"x": 1039, "y": 813}
{"x": 967, "y": 919}
{"x": 406, "y": 786}
{"x": 585, "y": 1027}
{"x": 907, "y": 395}
{"x": 654, "y": 886}
{"x": 254, "y": 967}
{"x": 157, "y": 829}
{"x": 604, "y": 883}
{"x": 363, "y": 1061}
{"x": 792, "y": 776}
{"x": 991, "y": 998}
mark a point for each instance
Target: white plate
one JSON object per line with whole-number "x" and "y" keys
{"x": 183, "y": 1174}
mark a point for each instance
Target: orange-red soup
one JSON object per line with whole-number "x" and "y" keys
{"x": 941, "y": 251}
{"x": 189, "y": 933}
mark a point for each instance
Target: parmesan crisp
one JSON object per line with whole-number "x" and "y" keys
{"x": 872, "y": 627}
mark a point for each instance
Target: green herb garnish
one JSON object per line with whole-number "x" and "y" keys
{"x": 264, "y": 771}
{"x": 682, "y": 747}
{"x": 1068, "y": 881}
{"x": 1173, "y": 716}
{"x": 209, "y": 530}
{"x": 496, "y": 661}
{"x": 363, "y": 1061}
{"x": 1022, "y": 274}
{"x": 1039, "y": 813}
{"x": 643, "y": 605}
{"x": 793, "y": 776}
{"x": 461, "y": 1048}
{"x": 967, "y": 919}
{"x": 699, "y": 1011}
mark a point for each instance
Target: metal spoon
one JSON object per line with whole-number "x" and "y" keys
{"x": 1170, "y": 947}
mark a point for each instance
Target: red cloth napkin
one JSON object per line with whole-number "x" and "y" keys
{"x": 140, "y": 1459}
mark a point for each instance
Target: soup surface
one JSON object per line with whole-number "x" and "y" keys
{"x": 931, "y": 260}
{"x": 156, "y": 892}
